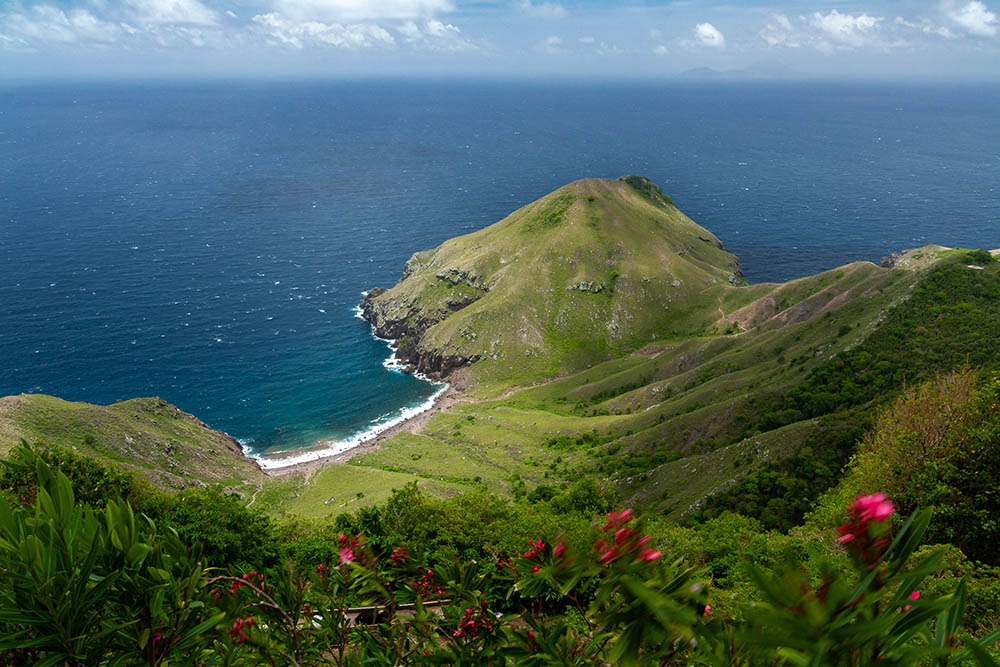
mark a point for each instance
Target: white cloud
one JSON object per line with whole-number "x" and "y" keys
{"x": 435, "y": 28}
{"x": 845, "y": 30}
{"x": 587, "y": 39}
{"x": 361, "y": 11}
{"x": 552, "y": 45}
{"x": 298, "y": 34}
{"x": 975, "y": 17}
{"x": 780, "y": 32}
{"x": 606, "y": 49}
{"x": 709, "y": 35}
{"x": 434, "y": 36}
{"x": 548, "y": 10}
{"x": 926, "y": 26}
{"x": 660, "y": 50}
{"x": 48, "y": 24}
{"x": 188, "y": 12}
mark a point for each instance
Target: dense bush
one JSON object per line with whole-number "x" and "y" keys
{"x": 938, "y": 446}
{"x": 80, "y": 586}
{"x": 95, "y": 483}
{"x": 229, "y": 532}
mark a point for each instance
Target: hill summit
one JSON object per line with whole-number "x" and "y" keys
{"x": 591, "y": 271}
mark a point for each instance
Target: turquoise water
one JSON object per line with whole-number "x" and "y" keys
{"x": 209, "y": 243}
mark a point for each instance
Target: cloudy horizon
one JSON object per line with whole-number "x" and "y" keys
{"x": 939, "y": 39}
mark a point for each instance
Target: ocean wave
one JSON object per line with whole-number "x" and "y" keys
{"x": 333, "y": 447}
{"x": 379, "y": 425}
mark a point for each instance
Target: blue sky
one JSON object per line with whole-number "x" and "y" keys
{"x": 950, "y": 39}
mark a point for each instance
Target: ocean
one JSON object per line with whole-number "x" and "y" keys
{"x": 208, "y": 243}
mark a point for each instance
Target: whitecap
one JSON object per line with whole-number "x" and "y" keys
{"x": 334, "y": 447}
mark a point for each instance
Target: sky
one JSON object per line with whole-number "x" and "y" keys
{"x": 917, "y": 39}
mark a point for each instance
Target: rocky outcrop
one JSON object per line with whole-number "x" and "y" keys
{"x": 588, "y": 286}
{"x": 407, "y": 330}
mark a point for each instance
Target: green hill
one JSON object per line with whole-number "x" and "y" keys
{"x": 587, "y": 273}
{"x": 701, "y": 382}
{"x": 173, "y": 449}
{"x": 600, "y": 334}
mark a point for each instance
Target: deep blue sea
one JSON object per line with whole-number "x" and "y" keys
{"x": 208, "y": 242}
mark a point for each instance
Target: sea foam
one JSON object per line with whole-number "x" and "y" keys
{"x": 379, "y": 425}
{"x": 333, "y": 447}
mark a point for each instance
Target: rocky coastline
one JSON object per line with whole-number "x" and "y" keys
{"x": 407, "y": 332}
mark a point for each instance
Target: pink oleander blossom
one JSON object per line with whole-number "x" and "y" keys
{"x": 346, "y": 555}
{"x": 649, "y": 555}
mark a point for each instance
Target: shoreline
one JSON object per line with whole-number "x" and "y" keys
{"x": 448, "y": 398}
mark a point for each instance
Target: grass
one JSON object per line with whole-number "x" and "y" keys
{"x": 673, "y": 379}
{"x": 172, "y": 448}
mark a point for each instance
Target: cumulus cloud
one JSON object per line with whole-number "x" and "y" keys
{"x": 184, "y": 12}
{"x": 660, "y": 50}
{"x": 361, "y": 11}
{"x": 609, "y": 49}
{"x": 925, "y": 26}
{"x": 780, "y": 32}
{"x": 298, "y": 34}
{"x": 552, "y": 45}
{"x": 846, "y": 30}
{"x": 550, "y": 10}
{"x": 708, "y": 35}
{"x": 975, "y": 17}
{"x": 45, "y": 23}
{"x": 434, "y": 36}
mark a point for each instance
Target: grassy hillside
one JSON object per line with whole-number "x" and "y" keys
{"x": 173, "y": 449}
{"x": 604, "y": 336}
{"x": 684, "y": 418}
{"x": 587, "y": 273}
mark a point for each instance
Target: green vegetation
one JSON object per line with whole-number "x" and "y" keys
{"x": 608, "y": 355}
{"x": 589, "y": 272}
{"x": 420, "y": 580}
{"x": 171, "y": 448}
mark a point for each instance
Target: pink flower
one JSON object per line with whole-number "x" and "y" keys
{"x": 560, "y": 549}
{"x": 535, "y": 569}
{"x": 873, "y": 507}
{"x": 346, "y": 555}
{"x": 607, "y": 557}
{"x": 617, "y": 520}
{"x": 648, "y": 555}
{"x": 708, "y": 610}
{"x": 915, "y": 595}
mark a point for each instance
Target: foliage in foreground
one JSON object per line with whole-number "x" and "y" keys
{"x": 85, "y": 586}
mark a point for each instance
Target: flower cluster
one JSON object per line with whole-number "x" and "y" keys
{"x": 474, "y": 621}
{"x": 399, "y": 556}
{"x": 237, "y": 631}
{"x": 536, "y": 552}
{"x": 427, "y": 587}
{"x": 347, "y": 547}
{"x": 560, "y": 553}
{"x": 248, "y": 578}
{"x": 624, "y": 541}
{"x": 866, "y": 532}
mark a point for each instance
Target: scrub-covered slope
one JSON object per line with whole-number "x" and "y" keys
{"x": 591, "y": 271}
{"x": 172, "y": 448}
